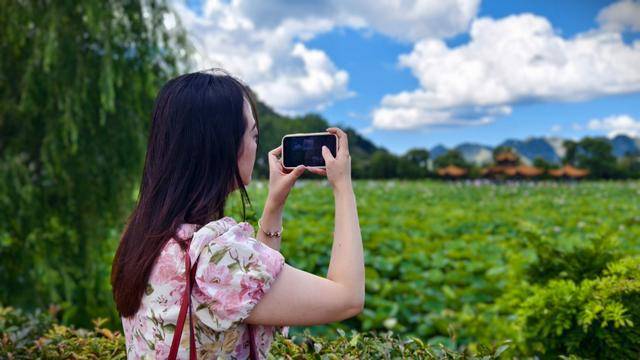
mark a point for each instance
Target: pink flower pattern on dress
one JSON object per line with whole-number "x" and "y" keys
{"x": 234, "y": 271}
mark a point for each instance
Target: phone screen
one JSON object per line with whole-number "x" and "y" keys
{"x": 306, "y": 149}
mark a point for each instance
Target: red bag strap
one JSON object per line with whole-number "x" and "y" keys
{"x": 182, "y": 316}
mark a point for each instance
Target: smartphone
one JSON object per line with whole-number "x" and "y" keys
{"x": 306, "y": 149}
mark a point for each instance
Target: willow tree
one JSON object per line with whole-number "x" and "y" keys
{"x": 77, "y": 82}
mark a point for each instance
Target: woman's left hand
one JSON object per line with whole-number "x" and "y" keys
{"x": 280, "y": 181}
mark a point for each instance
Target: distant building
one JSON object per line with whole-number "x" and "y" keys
{"x": 569, "y": 172}
{"x": 507, "y": 165}
{"x": 452, "y": 172}
{"x": 507, "y": 158}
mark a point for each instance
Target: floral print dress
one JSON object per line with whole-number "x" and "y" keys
{"x": 234, "y": 271}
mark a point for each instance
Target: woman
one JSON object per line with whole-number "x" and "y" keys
{"x": 202, "y": 146}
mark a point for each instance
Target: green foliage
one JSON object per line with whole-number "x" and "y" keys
{"x": 371, "y": 345}
{"x": 383, "y": 165}
{"x": 38, "y": 335}
{"x": 20, "y": 330}
{"x": 594, "y": 318}
{"x": 574, "y": 259}
{"x": 28, "y": 336}
{"x": 570, "y": 147}
{"x": 78, "y": 79}
{"x": 629, "y": 166}
{"x": 451, "y": 157}
{"x": 596, "y": 155}
{"x": 413, "y": 164}
{"x": 541, "y": 163}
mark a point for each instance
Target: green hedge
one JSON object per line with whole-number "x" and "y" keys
{"x": 37, "y": 335}
{"x": 594, "y": 318}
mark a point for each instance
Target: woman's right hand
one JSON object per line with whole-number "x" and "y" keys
{"x": 338, "y": 168}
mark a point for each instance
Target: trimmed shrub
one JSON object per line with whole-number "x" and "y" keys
{"x": 594, "y": 318}
{"x": 28, "y": 336}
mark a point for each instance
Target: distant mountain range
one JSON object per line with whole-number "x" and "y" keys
{"x": 548, "y": 148}
{"x": 273, "y": 126}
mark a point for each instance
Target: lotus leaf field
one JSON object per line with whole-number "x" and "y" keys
{"x": 550, "y": 266}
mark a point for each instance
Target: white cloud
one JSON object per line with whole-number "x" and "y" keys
{"x": 413, "y": 20}
{"x": 314, "y": 86}
{"x": 620, "y": 16}
{"x": 556, "y": 128}
{"x": 263, "y": 42}
{"x": 516, "y": 59}
{"x": 407, "y": 20}
{"x": 616, "y": 125}
{"x": 274, "y": 62}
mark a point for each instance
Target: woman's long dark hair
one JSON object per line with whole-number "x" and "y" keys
{"x": 190, "y": 168}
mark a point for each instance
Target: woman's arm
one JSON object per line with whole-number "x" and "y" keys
{"x": 347, "y": 259}
{"x": 300, "y": 298}
{"x": 280, "y": 183}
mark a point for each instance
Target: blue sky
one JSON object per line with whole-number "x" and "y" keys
{"x": 369, "y": 56}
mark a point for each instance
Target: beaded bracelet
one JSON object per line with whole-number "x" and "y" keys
{"x": 269, "y": 233}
